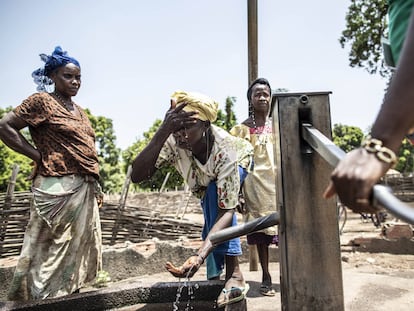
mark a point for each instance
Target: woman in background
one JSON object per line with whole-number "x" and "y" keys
{"x": 259, "y": 188}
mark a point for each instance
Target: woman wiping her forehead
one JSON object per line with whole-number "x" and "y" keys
{"x": 213, "y": 164}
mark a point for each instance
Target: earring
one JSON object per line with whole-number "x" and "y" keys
{"x": 204, "y": 134}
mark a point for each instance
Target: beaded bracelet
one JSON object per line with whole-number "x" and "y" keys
{"x": 373, "y": 145}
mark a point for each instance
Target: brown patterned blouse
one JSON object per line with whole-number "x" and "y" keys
{"x": 65, "y": 141}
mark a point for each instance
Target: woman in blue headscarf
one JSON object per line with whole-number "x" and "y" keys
{"x": 62, "y": 244}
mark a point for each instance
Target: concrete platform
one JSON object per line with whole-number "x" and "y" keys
{"x": 366, "y": 287}
{"x": 157, "y": 295}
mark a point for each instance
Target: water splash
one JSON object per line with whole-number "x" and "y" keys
{"x": 190, "y": 292}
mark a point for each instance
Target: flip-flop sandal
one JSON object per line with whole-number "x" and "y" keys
{"x": 226, "y": 293}
{"x": 267, "y": 290}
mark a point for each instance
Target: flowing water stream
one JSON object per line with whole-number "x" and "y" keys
{"x": 191, "y": 293}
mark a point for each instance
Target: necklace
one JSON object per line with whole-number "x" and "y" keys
{"x": 208, "y": 139}
{"x": 68, "y": 106}
{"x": 262, "y": 136}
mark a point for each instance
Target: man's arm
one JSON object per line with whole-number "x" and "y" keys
{"x": 360, "y": 170}
{"x": 396, "y": 115}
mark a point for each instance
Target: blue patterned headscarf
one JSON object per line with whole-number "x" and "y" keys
{"x": 58, "y": 59}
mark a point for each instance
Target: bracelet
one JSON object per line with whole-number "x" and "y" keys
{"x": 373, "y": 145}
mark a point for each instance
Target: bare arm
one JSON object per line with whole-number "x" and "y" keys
{"x": 10, "y": 126}
{"x": 223, "y": 220}
{"x": 143, "y": 166}
{"x": 359, "y": 170}
{"x": 192, "y": 264}
{"x": 396, "y": 116}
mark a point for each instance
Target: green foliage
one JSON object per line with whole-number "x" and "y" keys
{"x": 9, "y": 158}
{"x": 108, "y": 154}
{"x": 129, "y": 154}
{"x": 405, "y": 157}
{"x": 227, "y": 119}
{"x": 156, "y": 181}
{"x": 350, "y": 137}
{"x": 347, "y": 137}
{"x": 366, "y": 24}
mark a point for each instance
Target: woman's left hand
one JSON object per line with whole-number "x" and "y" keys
{"x": 187, "y": 270}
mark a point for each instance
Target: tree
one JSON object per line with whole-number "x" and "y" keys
{"x": 350, "y": 137}
{"x": 366, "y": 24}
{"x": 227, "y": 119}
{"x": 347, "y": 137}
{"x": 108, "y": 154}
{"x": 405, "y": 157}
{"x": 9, "y": 158}
{"x": 156, "y": 181}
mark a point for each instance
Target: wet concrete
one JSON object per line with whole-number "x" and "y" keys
{"x": 156, "y": 296}
{"x": 366, "y": 287}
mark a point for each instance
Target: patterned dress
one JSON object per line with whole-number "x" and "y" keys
{"x": 259, "y": 187}
{"x": 62, "y": 243}
{"x": 216, "y": 183}
{"x": 227, "y": 154}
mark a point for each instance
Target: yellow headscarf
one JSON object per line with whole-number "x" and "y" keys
{"x": 205, "y": 106}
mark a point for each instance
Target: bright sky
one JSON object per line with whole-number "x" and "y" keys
{"x": 134, "y": 54}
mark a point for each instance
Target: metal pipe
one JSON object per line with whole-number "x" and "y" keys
{"x": 248, "y": 227}
{"x": 333, "y": 154}
{"x": 252, "y": 40}
{"x": 384, "y": 197}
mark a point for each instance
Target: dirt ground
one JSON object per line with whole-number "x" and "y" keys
{"x": 374, "y": 281}
{"x": 378, "y": 281}
{"x": 371, "y": 281}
